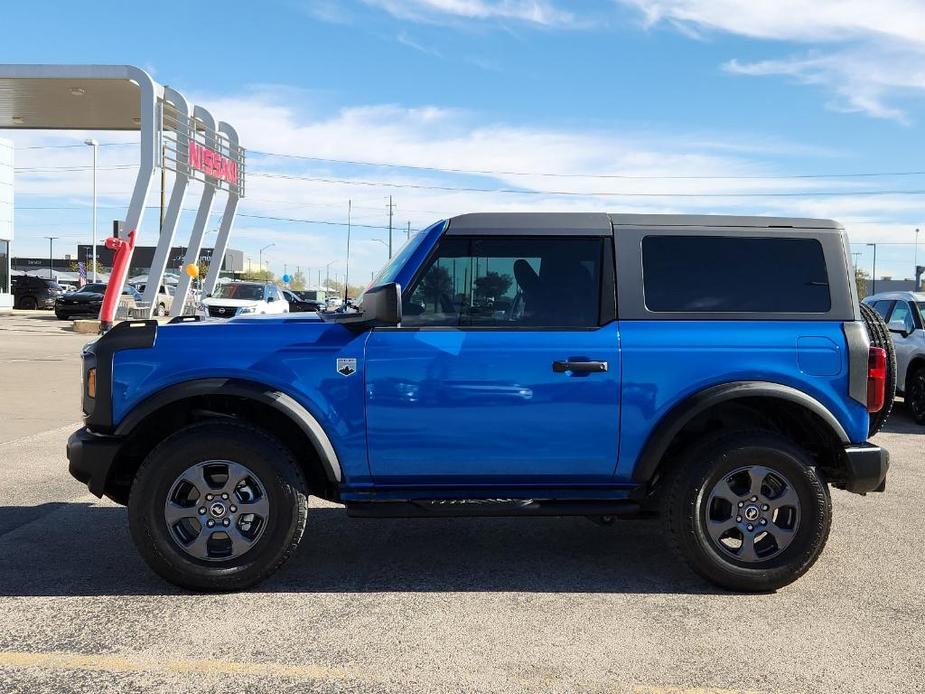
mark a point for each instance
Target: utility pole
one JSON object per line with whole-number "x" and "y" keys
{"x": 95, "y": 145}
{"x": 391, "y": 210}
{"x": 873, "y": 277}
{"x": 347, "y": 275}
{"x": 51, "y": 256}
{"x": 408, "y": 233}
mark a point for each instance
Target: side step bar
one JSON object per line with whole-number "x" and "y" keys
{"x": 450, "y": 508}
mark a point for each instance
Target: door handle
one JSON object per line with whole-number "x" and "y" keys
{"x": 579, "y": 366}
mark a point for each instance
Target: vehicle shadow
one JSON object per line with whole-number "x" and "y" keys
{"x": 74, "y": 549}
{"x": 901, "y": 422}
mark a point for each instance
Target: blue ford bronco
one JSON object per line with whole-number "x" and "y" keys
{"x": 717, "y": 372}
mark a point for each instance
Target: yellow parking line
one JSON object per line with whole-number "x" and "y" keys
{"x": 111, "y": 663}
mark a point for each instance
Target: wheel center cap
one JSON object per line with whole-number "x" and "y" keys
{"x": 751, "y": 513}
{"x": 217, "y": 509}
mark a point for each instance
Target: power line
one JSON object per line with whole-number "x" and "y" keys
{"x": 492, "y": 172}
{"x": 544, "y": 174}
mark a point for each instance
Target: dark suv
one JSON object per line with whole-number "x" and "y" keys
{"x": 34, "y": 292}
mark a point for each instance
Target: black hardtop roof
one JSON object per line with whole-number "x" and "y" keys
{"x": 579, "y": 223}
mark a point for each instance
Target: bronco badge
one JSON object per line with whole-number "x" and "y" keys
{"x": 346, "y": 366}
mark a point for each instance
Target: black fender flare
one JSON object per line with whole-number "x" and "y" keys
{"x": 682, "y": 413}
{"x": 266, "y": 395}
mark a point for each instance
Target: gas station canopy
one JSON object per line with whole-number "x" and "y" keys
{"x": 174, "y": 135}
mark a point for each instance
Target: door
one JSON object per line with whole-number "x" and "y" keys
{"x": 906, "y": 332}
{"x": 505, "y": 369}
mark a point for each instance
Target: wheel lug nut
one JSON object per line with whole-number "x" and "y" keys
{"x": 210, "y": 522}
{"x": 751, "y": 527}
{"x": 764, "y": 507}
{"x": 209, "y": 497}
{"x": 754, "y": 498}
{"x": 738, "y": 519}
{"x": 741, "y": 504}
{"x": 764, "y": 521}
{"x": 233, "y": 509}
{"x": 202, "y": 510}
{"x": 224, "y": 496}
{"x": 226, "y": 522}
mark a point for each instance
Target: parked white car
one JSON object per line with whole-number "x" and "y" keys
{"x": 243, "y": 298}
{"x": 164, "y": 297}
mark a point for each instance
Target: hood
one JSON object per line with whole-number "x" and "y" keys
{"x": 234, "y": 303}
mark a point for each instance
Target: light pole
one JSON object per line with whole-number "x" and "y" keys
{"x": 51, "y": 256}
{"x": 96, "y": 146}
{"x": 347, "y": 276}
{"x": 381, "y": 241}
{"x": 873, "y": 277}
{"x": 327, "y": 273}
{"x": 915, "y": 265}
{"x": 260, "y": 259}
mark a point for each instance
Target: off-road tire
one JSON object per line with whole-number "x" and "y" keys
{"x": 880, "y": 337}
{"x": 229, "y": 440}
{"x": 708, "y": 462}
{"x": 28, "y": 303}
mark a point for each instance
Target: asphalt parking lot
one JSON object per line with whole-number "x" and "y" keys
{"x": 479, "y": 605}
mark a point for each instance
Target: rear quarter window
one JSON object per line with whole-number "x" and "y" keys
{"x": 726, "y": 274}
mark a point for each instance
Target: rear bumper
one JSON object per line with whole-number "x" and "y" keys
{"x": 90, "y": 457}
{"x": 866, "y": 466}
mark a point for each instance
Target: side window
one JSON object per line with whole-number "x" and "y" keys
{"x": 514, "y": 282}
{"x": 733, "y": 274}
{"x": 902, "y": 314}
{"x": 883, "y": 308}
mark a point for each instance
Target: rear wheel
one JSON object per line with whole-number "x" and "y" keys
{"x": 161, "y": 310}
{"x": 28, "y": 303}
{"x": 217, "y": 506}
{"x": 880, "y": 337}
{"x": 748, "y": 511}
{"x": 915, "y": 395}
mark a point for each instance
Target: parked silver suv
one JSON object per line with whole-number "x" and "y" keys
{"x": 904, "y": 313}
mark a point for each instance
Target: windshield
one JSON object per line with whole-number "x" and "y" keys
{"x": 93, "y": 289}
{"x": 921, "y": 307}
{"x": 390, "y": 271}
{"x": 246, "y": 292}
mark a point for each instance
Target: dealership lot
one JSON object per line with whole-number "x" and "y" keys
{"x": 431, "y": 605}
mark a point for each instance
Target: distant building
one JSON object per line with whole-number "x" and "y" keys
{"x": 887, "y": 284}
{"x": 6, "y": 223}
{"x": 141, "y": 260}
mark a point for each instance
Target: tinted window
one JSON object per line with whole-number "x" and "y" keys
{"x": 4, "y": 267}
{"x": 883, "y": 308}
{"x": 724, "y": 274}
{"x": 550, "y": 282}
{"x": 902, "y": 313}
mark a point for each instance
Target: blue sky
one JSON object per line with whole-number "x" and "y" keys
{"x": 649, "y": 90}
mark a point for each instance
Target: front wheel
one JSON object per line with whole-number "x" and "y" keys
{"x": 748, "y": 511}
{"x": 217, "y": 506}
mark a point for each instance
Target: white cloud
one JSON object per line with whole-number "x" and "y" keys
{"x": 538, "y": 12}
{"x": 877, "y": 54}
{"x": 268, "y": 120}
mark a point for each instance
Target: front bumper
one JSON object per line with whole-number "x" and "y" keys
{"x": 90, "y": 458}
{"x": 866, "y": 466}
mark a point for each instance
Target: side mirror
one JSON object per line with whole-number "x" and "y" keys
{"x": 271, "y": 299}
{"x": 898, "y": 326}
{"x": 381, "y": 306}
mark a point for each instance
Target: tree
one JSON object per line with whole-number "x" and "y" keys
{"x": 492, "y": 285}
{"x": 298, "y": 281}
{"x": 860, "y": 279}
{"x": 436, "y": 283}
